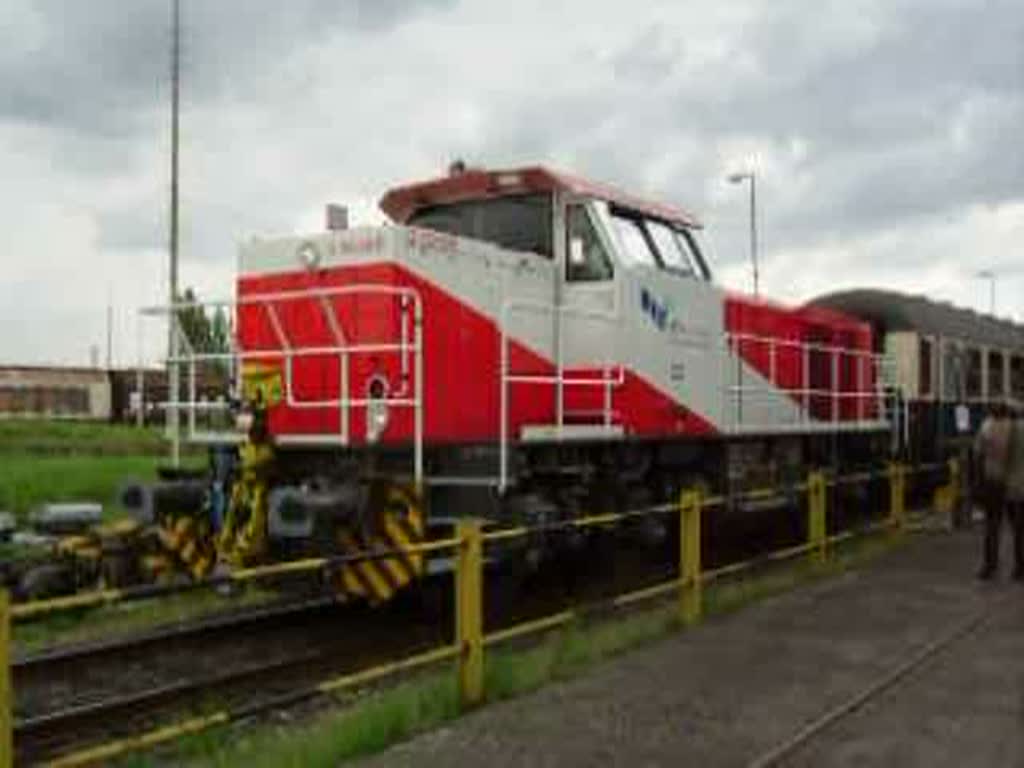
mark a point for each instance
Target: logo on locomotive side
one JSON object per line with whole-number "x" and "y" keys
{"x": 657, "y": 311}
{"x": 660, "y": 312}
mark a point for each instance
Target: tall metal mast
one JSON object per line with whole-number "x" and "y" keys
{"x": 173, "y": 370}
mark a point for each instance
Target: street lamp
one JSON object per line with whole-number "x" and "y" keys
{"x": 739, "y": 178}
{"x": 988, "y": 274}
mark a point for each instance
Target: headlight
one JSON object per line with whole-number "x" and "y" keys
{"x": 377, "y": 411}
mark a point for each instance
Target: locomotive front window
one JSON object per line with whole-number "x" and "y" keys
{"x": 674, "y": 251}
{"x": 689, "y": 236}
{"x": 516, "y": 222}
{"x": 656, "y": 243}
{"x": 635, "y": 246}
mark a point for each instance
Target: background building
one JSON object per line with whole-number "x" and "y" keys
{"x": 40, "y": 391}
{"x": 92, "y": 394}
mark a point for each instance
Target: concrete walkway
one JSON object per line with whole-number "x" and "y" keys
{"x": 729, "y": 691}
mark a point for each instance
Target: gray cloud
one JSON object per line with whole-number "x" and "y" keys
{"x": 885, "y": 131}
{"x": 101, "y": 68}
{"x": 917, "y": 120}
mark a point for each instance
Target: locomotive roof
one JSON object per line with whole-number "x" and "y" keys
{"x": 473, "y": 184}
{"x": 894, "y": 311}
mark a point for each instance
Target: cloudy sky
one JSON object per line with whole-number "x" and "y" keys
{"x": 886, "y": 135}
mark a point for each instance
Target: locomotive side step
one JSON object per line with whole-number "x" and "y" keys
{"x": 534, "y": 433}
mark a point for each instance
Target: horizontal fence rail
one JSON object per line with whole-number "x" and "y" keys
{"x": 469, "y": 546}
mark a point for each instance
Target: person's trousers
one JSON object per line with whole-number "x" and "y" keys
{"x": 997, "y": 508}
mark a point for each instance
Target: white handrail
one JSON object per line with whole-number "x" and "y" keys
{"x": 739, "y": 345}
{"x": 287, "y": 351}
{"x": 558, "y": 379}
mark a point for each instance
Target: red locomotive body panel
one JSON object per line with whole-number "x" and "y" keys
{"x": 460, "y": 358}
{"x": 814, "y": 351}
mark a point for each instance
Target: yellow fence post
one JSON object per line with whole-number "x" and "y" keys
{"x": 817, "y": 531}
{"x": 6, "y": 697}
{"x": 469, "y": 622}
{"x": 897, "y": 496}
{"x": 690, "y": 598}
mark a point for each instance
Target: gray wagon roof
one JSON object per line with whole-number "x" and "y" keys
{"x": 893, "y": 311}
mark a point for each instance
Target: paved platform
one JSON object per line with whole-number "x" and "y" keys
{"x": 729, "y": 691}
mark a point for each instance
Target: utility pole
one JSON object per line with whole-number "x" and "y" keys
{"x": 738, "y": 178}
{"x": 173, "y": 370}
{"x": 753, "y": 228}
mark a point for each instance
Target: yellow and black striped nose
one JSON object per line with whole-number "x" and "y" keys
{"x": 190, "y": 544}
{"x": 397, "y": 527}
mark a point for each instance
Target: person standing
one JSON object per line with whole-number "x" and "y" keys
{"x": 992, "y": 460}
{"x": 1015, "y": 492}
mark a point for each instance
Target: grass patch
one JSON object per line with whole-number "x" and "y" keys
{"x": 27, "y": 481}
{"x": 377, "y": 720}
{"x": 62, "y": 438}
{"x": 124, "y": 618}
{"x": 44, "y": 460}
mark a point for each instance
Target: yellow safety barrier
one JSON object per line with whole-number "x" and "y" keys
{"x": 897, "y": 496}
{"x": 469, "y": 619}
{"x": 6, "y": 699}
{"x": 39, "y": 608}
{"x": 105, "y": 752}
{"x": 690, "y": 592}
{"x": 529, "y": 628}
{"x": 817, "y": 517}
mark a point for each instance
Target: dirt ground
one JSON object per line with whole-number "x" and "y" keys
{"x": 731, "y": 690}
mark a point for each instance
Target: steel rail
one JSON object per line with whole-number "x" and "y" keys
{"x": 160, "y": 635}
{"x": 73, "y": 719}
{"x": 164, "y": 734}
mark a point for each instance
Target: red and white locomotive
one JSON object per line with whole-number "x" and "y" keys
{"x": 520, "y": 345}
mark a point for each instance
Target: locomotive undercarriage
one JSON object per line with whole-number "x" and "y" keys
{"x": 757, "y": 476}
{"x": 257, "y": 503}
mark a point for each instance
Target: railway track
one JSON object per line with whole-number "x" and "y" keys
{"x": 50, "y": 734}
{"x": 83, "y": 694}
{"x": 194, "y": 630}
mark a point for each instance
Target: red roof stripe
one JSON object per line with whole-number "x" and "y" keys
{"x": 401, "y": 202}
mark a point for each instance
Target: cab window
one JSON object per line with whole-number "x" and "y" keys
{"x": 635, "y": 246}
{"x": 672, "y": 248}
{"x": 586, "y": 257}
{"x": 515, "y": 222}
